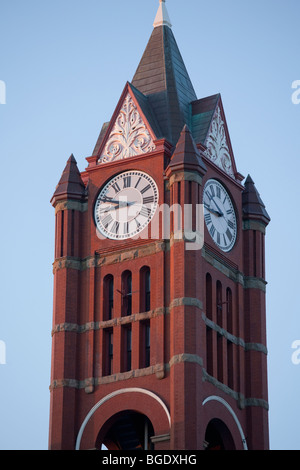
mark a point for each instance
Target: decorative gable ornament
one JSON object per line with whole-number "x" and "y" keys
{"x": 129, "y": 136}
{"x": 217, "y": 147}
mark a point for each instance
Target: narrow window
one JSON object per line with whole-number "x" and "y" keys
{"x": 62, "y": 234}
{"x": 126, "y": 293}
{"x": 209, "y": 331}
{"x": 108, "y": 352}
{"x": 147, "y": 343}
{"x": 145, "y": 289}
{"x": 229, "y": 311}
{"x": 209, "y": 296}
{"x": 126, "y": 347}
{"x": 230, "y": 346}
{"x": 108, "y": 297}
{"x": 230, "y": 364}
{"x": 219, "y": 303}
{"x": 72, "y": 232}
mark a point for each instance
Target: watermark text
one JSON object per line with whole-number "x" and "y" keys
{"x": 296, "y": 94}
{"x": 296, "y": 353}
{"x": 2, "y": 92}
{"x": 2, "y": 353}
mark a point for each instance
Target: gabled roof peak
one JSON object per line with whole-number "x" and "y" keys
{"x": 162, "y": 17}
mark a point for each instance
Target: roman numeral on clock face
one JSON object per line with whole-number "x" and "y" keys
{"x": 126, "y": 227}
{"x": 127, "y": 182}
{"x": 208, "y": 219}
{"x": 148, "y": 199}
{"x": 212, "y": 231}
{"x": 115, "y": 228}
{"x": 145, "y": 189}
{"x": 107, "y": 220}
{"x": 230, "y": 224}
{"x": 145, "y": 211}
{"x": 116, "y": 187}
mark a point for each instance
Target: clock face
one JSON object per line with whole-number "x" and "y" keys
{"x": 219, "y": 215}
{"x": 126, "y": 205}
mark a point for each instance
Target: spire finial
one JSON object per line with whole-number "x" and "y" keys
{"x": 162, "y": 17}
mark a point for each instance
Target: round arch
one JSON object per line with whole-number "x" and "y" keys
{"x": 228, "y": 407}
{"x": 111, "y": 396}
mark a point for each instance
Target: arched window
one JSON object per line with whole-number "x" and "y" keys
{"x": 145, "y": 289}
{"x": 108, "y": 297}
{"x": 126, "y": 293}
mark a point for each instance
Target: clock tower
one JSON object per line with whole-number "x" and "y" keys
{"x": 159, "y": 318}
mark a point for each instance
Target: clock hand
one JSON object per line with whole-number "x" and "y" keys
{"x": 116, "y": 202}
{"x": 108, "y": 199}
{"x": 218, "y": 214}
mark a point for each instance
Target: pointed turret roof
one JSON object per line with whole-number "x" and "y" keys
{"x": 70, "y": 185}
{"x": 253, "y": 206}
{"x": 163, "y": 78}
{"x": 186, "y": 155}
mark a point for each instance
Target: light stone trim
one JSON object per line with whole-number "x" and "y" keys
{"x": 233, "y": 274}
{"x": 186, "y": 301}
{"x": 94, "y": 326}
{"x": 136, "y": 317}
{"x": 234, "y": 339}
{"x": 254, "y": 225}
{"x": 114, "y": 394}
{"x": 228, "y": 407}
{"x": 185, "y": 176}
{"x": 255, "y": 283}
{"x": 103, "y": 259}
{"x": 159, "y": 370}
{"x": 161, "y": 438}
{"x": 71, "y": 205}
{"x": 177, "y": 359}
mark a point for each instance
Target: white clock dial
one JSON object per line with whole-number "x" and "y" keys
{"x": 126, "y": 205}
{"x": 219, "y": 215}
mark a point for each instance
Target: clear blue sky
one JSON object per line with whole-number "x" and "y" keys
{"x": 65, "y": 64}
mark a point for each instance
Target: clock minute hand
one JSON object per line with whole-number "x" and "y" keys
{"x": 220, "y": 212}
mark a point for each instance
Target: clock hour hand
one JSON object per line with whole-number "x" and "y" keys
{"x": 109, "y": 200}
{"x": 116, "y": 202}
{"x": 218, "y": 214}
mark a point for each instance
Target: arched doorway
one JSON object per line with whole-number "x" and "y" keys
{"x": 127, "y": 430}
{"x": 218, "y": 436}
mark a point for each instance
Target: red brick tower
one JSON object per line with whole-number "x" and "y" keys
{"x": 159, "y": 322}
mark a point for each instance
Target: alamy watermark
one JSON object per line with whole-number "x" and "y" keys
{"x": 169, "y": 223}
{"x": 296, "y": 353}
{"x": 2, "y": 353}
{"x": 296, "y": 94}
{"x": 2, "y": 92}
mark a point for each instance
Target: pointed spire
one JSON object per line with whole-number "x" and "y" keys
{"x": 186, "y": 155}
{"x": 163, "y": 78}
{"x": 70, "y": 185}
{"x": 162, "y": 17}
{"x": 253, "y": 206}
